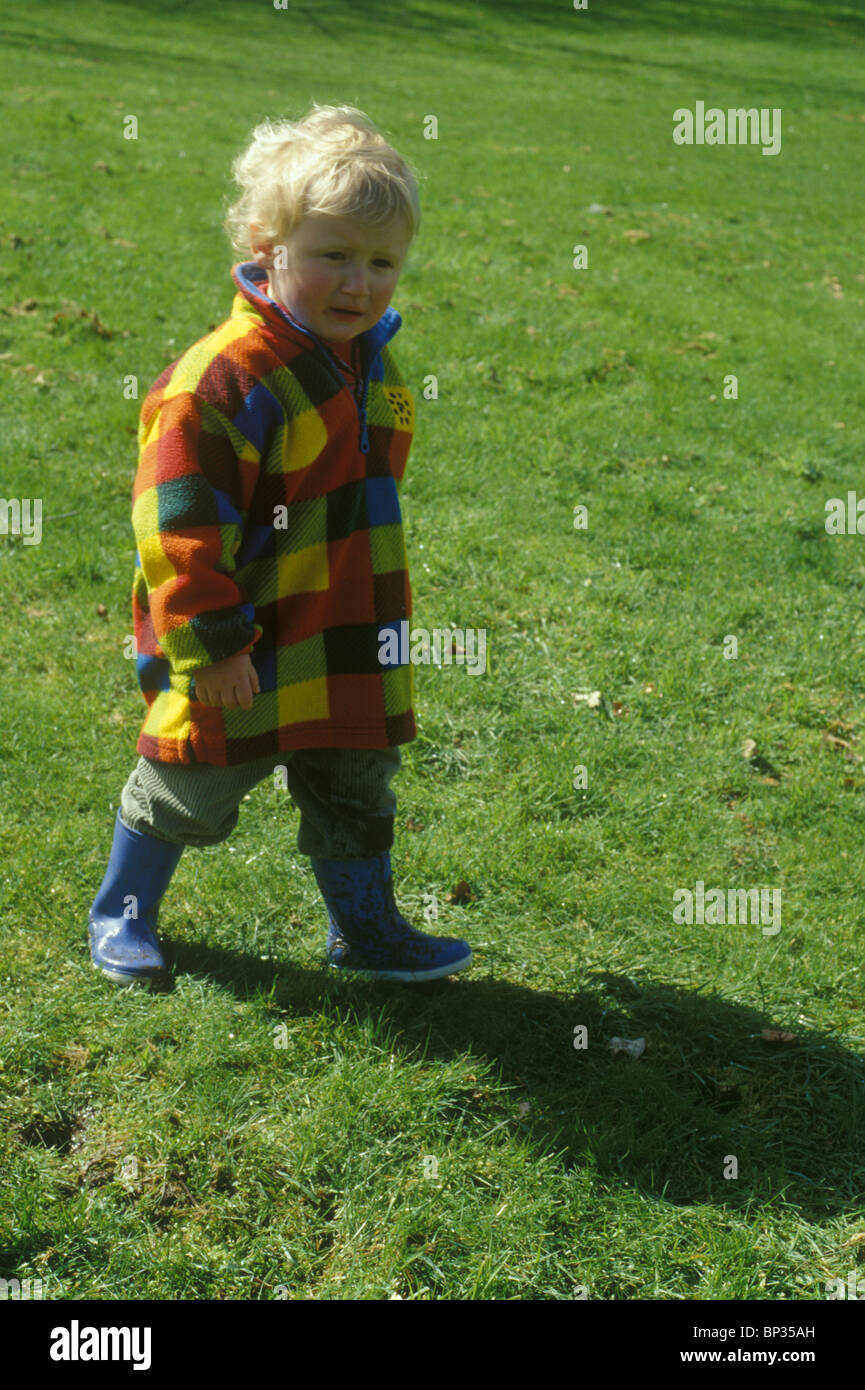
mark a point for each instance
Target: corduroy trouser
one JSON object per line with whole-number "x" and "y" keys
{"x": 344, "y": 797}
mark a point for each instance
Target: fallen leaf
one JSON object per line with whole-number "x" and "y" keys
{"x": 835, "y": 742}
{"x": 777, "y": 1036}
{"x": 75, "y": 1054}
{"x": 27, "y": 306}
{"x": 695, "y": 346}
{"x": 759, "y": 763}
{"x": 635, "y": 234}
{"x": 460, "y": 894}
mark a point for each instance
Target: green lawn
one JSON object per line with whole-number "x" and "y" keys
{"x": 263, "y": 1130}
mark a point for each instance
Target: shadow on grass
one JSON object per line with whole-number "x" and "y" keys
{"x": 480, "y": 24}
{"x": 707, "y": 1087}
{"x": 799, "y": 21}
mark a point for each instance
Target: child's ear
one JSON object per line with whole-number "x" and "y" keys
{"x": 262, "y": 250}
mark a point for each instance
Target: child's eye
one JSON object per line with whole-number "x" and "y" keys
{"x": 338, "y": 255}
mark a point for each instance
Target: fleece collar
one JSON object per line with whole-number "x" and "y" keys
{"x": 250, "y": 277}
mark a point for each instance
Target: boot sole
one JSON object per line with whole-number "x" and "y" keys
{"x": 118, "y": 977}
{"x": 405, "y": 976}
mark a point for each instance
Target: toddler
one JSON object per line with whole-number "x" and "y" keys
{"x": 271, "y": 564}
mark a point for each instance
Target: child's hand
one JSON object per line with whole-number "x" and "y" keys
{"x": 231, "y": 682}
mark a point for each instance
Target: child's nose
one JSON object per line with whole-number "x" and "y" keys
{"x": 355, "y": 279}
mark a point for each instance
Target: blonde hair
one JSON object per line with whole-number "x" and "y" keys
{"x": 334, "y": 161}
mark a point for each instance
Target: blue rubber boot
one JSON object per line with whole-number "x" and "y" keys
{"x": 124, "y": 913}
{"x": 368, "y": 935}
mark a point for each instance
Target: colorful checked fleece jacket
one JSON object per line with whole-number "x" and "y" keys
{"x": 267, "y": 520}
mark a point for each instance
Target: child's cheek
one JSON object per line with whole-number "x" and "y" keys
{"x": 319, "y": 284}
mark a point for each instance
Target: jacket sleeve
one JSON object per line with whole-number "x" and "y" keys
{"x": 188, "y": 518}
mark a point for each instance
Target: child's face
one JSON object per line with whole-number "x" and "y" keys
{"x": 336, "y": 265}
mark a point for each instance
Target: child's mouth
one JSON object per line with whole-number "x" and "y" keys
{"x": 347, "y": 314}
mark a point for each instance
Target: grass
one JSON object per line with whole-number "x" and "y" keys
{"x": 261, "y": 1130}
